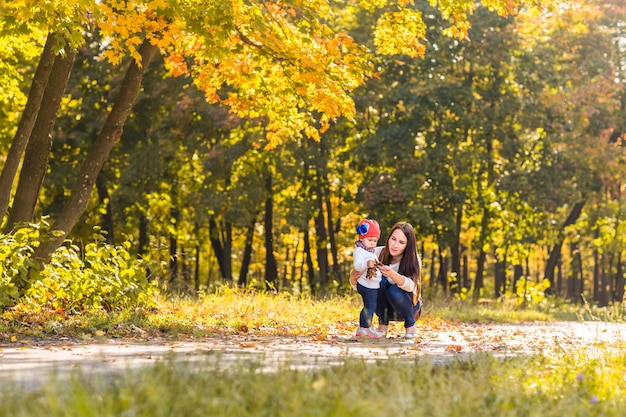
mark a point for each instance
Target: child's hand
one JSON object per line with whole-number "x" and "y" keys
{"x": 372, "y": 264}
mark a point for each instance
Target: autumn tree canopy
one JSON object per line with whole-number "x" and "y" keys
{"x": 282, "y": 119}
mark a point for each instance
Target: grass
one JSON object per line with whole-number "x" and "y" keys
{"x": 481, "y": 386}
{"x": 231, "y": 311}
{"x": 583, "y": 384}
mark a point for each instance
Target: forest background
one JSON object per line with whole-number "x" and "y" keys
{"x": 189, "y": 145}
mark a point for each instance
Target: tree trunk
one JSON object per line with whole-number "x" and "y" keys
{"x": 443, "y": 271}
{"x": 574, "y": 274}
{"x": 247, "y": 257}
{"x": 143, "y": 239}
{"x": 27, "y": 123}
{"x": 500, "y": 278}
{"x": 197, "y": 247}
{"x": 559, "y": 277}
{"x": 619, "y": 281}
{"x": 455, "y": 250}
{"x": 480, "y": 273}
{"x": 302, "y": 263}
{"x": 196, "y": 272}
{"x": 596, "y": 274}
{"x": 609, "y": 289}
{"x": 271, "y": 267}
{"x": 331, "y": 233}
{"x": 605, "y": 268}
{"x": 228, "y": 251}
{"x": 294, "y": 262}
{"x": 321, "y": 239}
{"x": 466, "y": 279}
{"x": 581, "y": 282}
{"x": 183, "y": 262}
{"x": 555, "y": 253}
{"x": 527, "y": 275}
{"x": 173, "y": 264}
{"x": 40, "y": 143}
{"x": 309, "y": 262}
{"x": 518, "y": 272}
{"x": 433, "y": 263}
{"x": 618, "y": 292}
{"x": 221, "y": 247}
{"x": 482, "y": 256}
{"x": 282, "y": 281}
{"x": 97, "y": 155}
{"x": 106, "y": 220}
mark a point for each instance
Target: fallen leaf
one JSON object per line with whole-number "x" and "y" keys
{"x": 454, "y": 348}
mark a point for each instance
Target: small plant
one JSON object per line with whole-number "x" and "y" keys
{"x": 530, "y": 293}
{"x": 16, "y": 263}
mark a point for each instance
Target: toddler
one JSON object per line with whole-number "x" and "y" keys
{"x": 366, "y": 261}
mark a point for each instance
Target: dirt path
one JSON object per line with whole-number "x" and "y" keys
{"x": 31, "y": 365}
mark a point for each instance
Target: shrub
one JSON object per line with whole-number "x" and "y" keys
{"x": 101, "y": 276}
{"x": 15, "y": 262}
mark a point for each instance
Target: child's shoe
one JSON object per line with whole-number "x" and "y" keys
{"x": 368, "y": 332}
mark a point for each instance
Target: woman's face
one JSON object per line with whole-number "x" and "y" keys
{"x": 397, "y": 244}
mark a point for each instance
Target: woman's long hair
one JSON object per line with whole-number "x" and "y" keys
{"x": 410, "y": 264}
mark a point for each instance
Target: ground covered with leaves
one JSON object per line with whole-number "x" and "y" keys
{"x": 259, "y": 354}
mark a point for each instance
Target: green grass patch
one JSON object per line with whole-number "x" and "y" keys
{"x": 483, "y": 385}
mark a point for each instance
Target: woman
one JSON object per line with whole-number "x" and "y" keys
{"x": 399, "y": 296}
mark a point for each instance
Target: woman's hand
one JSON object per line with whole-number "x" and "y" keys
{"x": 386, "y": 271}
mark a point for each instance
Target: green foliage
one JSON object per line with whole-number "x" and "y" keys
{"x": 532, "y": 293}
{"x": 19, "y": 49}
{"x": 15, "y": 263}
{"x": 100, "y": 276}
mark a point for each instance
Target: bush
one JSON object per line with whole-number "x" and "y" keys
{"x": 101, "y": 276}
{"x": 15, "y": 263}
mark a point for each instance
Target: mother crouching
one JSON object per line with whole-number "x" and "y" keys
{"x": 400, "y": 293}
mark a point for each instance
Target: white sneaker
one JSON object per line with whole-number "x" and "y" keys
{"x": 368, "y": 332}
{"x": 411, "y": 332}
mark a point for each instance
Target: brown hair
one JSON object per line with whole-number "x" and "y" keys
{"x": 410, "y": 264}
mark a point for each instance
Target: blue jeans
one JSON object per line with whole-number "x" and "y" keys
{"x": 395, "y": 304}
{"x": 369, "y": 296}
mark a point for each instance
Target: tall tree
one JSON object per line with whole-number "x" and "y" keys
{"x": 40, "y": 143}
{"x": 108, "y": 136}
{"x": 27, "y": 122}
